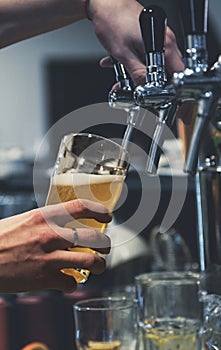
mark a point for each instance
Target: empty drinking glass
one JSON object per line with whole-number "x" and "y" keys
{"x": 107, "y": 323}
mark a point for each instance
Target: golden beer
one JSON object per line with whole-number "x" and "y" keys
{"x": 105, "y": 189}
{"x": 112, "y": 345}
{"x": 88, "y": 167}
{"x": 173, "y": 336}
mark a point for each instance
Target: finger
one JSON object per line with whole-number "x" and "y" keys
{"x": 138, "y": 74}
{"x": 80, "y": 208}
{"x": 116, "y": 86}
{"x": 170, "y": 41}
{"x": 135, "y": 68}
{"x": 173, "y": 56}
{"x": 83, "y": 237}
{"x": 71, "y": 259}
{"x": 132, "y": 63}
{"x": 174, "y": 62}
{"x": 106, "y": 62}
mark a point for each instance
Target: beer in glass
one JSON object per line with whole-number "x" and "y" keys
{"x": 88, "y": 167}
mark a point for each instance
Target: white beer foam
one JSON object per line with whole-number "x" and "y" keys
{"x": 84, "y": 179}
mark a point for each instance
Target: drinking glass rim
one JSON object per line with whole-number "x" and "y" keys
{"x": 89, "y": 134}
{"x": 79, "y": 305}
{"x": 167, "y": 276}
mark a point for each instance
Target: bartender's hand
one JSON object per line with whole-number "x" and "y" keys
{"x": 33, "y": 247}
{"x": 116, "y": 24}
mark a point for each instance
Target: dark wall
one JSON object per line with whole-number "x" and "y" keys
{"x": 73, "y": 84}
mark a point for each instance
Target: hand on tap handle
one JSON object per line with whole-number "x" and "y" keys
{"x": 116, "y": 24}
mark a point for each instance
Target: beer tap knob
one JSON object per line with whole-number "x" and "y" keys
{"x": 153, "y": 25}
{"x": 121, "y": 97}
{"x": 156, "y": 95}
{"x": 196, "y": 83}
{"x": 190, "y": 83}
{"x": 195, "y": 18}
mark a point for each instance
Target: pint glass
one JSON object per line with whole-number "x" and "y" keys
{"x": 88, "y": 167}
{"x": 107, "y": 323}
{"x": 170, "y": 314}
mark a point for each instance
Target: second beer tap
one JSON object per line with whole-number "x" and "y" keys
{"x": 156, "y": 95}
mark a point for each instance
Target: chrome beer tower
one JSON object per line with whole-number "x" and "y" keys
{"x": 202, "y": 86}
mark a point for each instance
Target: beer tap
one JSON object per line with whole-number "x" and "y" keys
{"x": 156, "y": 95}
{"x": 203, "y": 86}
{"x": 197, "y": 83}
{"x": 122, "y": 98}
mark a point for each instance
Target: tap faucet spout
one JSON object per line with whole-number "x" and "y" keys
{"x": 122, "y": 98}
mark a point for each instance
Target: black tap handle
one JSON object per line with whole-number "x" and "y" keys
{"x": 194, "y": 15}
{"x": 153, "y": 26}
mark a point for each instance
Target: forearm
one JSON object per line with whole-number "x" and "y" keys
{"x": 21, "y": 19}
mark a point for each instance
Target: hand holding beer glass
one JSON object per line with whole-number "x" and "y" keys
{"x": 87, "y": 167}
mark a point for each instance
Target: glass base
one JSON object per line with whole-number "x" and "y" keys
{"x": 80, "y": 275}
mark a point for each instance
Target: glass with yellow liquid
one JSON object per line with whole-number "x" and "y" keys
{"x": 88, "y": 167}
{"x": 107, "y": 323}
{"x": 169, "y": 310}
